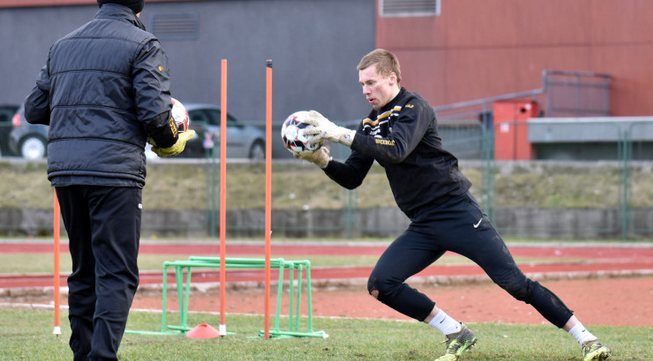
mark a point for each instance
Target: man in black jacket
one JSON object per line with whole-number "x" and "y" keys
{"x": 401, "y": 134}
{"x": 104, "y": 92}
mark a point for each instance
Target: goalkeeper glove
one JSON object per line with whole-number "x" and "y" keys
{"x": 176, "y": 148}
{"x": 323, "y": 129}
{"x": 320, "y": 157}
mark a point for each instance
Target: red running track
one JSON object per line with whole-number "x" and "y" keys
{"x": 561, "y": 259}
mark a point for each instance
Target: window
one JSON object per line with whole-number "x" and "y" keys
{"x": 198, "y": 116}
{"x": 390, "y": 8}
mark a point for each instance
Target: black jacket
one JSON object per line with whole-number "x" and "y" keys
{"x": 104, "y": 89}
{"x": 403, "y": 138}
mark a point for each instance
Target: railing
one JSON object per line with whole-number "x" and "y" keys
{"x": 563, "y": 93}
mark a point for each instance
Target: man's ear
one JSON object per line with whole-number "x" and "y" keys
{"x": 393, "y": 78}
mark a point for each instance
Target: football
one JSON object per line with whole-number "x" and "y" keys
{"x": 180, "y": 115}
{"x": 292, "y": 134}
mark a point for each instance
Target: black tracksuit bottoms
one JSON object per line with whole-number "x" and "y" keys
{"x": 461, "y": 226}
{"x": 103, "y": 225}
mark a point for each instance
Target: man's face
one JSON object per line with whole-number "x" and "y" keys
{"x": 378, "y": 90}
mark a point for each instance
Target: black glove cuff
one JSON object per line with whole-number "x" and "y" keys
{"x": 165, "y": 136}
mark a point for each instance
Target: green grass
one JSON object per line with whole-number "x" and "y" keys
{"x": 27, "y": 335}
{"x": 22, "y": 263}
{"x": 295, "y": 185}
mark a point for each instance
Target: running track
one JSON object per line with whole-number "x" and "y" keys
{"x": 590, "y": 260}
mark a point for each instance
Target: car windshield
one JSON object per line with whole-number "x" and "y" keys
{"x": 209, "y": 116}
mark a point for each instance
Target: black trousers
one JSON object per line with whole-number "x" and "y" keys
{"x": 460, "y": 226}
{"x": 103, "y": 225}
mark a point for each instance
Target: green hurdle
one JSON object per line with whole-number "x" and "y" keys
{"x": 295, "y": 293}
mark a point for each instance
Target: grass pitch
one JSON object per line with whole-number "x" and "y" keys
{"x": 27, "y": 335}
{"x": 24, "y": 263}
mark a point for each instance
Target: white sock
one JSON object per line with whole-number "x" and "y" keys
{"x": 581, "y": 334}
{"x": 445, "y": 323}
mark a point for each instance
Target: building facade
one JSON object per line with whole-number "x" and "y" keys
{"x": 450, "y": 50}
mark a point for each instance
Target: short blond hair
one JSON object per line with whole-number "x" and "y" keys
{"x": 386, "y": 63}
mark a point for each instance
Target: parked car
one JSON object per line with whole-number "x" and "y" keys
{"x": 243, "y": 141}
{"x": 29, "y": 141}
{"x": 6, "y": 113}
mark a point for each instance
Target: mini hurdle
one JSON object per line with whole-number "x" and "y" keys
{"x": 183, "y": 274}
{"x": 295, "y": 293}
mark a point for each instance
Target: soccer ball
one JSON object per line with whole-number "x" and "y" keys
{"x": 179, "y": 115}
{"x": 292, "y": 134}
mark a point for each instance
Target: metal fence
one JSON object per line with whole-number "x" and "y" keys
{"x": 586, "y": 179}
{"x": 580, "y": 178}
{"x": 596, "y": 186}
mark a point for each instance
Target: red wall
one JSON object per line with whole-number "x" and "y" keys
{"x": 482, "y": 48}
{"x": 30, "y": 3}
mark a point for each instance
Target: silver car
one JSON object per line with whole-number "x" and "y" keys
{"x": 27, "y": 140}
{"x": 243, "y": 141}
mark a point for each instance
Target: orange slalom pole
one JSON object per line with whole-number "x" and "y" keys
{"x": 268, "y": 193}
{"x": 57, "y": 270}
{"x": 223, "y": 197}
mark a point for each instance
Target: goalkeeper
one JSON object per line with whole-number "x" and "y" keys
{"x": 401, "y": 134}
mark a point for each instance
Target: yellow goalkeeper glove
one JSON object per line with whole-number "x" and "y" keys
{"x": 176, "y": 148}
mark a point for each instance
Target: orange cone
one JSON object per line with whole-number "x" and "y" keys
{"x": 203, "y": 330}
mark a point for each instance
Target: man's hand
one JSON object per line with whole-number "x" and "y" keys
{"x": 323, "y": 129}
{"x": 320, "y": 157}
{"x": 176, "y": 148}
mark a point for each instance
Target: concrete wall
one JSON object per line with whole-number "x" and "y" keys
{"x": 315, "y": 47}
{"x": 524, "y": 222}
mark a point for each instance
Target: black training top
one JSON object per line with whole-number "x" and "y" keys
{"x": 403, "y": 138}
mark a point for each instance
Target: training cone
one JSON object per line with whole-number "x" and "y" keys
{"x": 203, "y": 331}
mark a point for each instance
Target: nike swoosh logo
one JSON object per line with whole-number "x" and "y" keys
{"x": 479, "y": 223}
